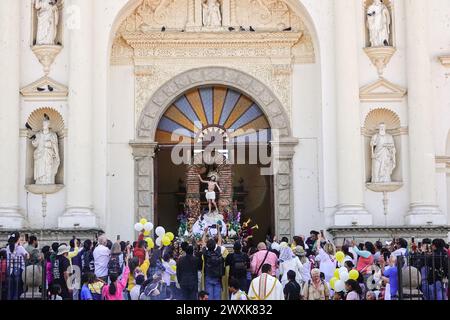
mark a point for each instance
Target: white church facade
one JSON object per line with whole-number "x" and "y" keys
{"x": 355, "y": 93}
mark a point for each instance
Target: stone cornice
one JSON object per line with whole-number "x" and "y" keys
{"x": 138, "y": 39}
{"x": 445, "y": 61}
{"x": 388, "y": 228}
{"x": 143, "y": 148}
{"x": 382, "y": 91}
{"x": 230, "y": 45}
{"x": 395, "y": 132}
{"x": 379, "y": 232}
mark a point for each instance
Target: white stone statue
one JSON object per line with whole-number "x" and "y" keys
{"x": 210, "y": 192}
{"x": 46, "y": 155}
{"x": 383, "y": 156}
{"x": 212, "y": 16}
{"x": 379, "y": 22}
{"x": 47, "y": 22}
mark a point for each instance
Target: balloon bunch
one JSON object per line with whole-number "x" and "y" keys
{"x": 146, "y": 227}
{"x": 164, "y": 238}
{"x": 341, "y": 275}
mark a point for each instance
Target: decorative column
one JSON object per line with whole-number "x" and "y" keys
{"x": 423, "y": 206}
{"x": 351, "y": 210}
{"x": 10, "y": 217}
{"x": 143, "y": 154}
{"x": 283, "y": 151}
{"x": 191, "y": 13}
{"x": 79, "y": 205}
{"x": 226, "y": 13}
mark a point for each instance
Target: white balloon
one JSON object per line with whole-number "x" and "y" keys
{"x": 343, "y": 269}
{"x": 160, "y": 231}
{"x": 344, "y": 276}
{"x": 138, "y": 226}
{"x": 158, "y": 241}
{"x": 148, "y": 226}
{"x": 339, "y": 286}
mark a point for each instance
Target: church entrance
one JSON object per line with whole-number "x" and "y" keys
{"x": 213, "y": 122}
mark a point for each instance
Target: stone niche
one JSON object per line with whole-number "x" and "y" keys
{"x": 380, "y": 56}
{"x": 393, "y": 127}
{"x": 390, "y": 5}
{"x": 34, "y": 22}
{"x": 46, "y": 53}
{"x": 57, "y": 126}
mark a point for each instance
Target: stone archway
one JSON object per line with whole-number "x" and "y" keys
{"x": 144, "y": 146}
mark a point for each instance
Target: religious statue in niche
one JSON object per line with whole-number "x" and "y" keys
{"x": 212, "y": 17}
{"x": 47, "y": 22}
{"x": 379, "y": 22}
{"x": 46, "y": 155}
{"x": 383, "y": 155}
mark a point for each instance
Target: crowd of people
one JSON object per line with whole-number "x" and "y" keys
{"x": 311, "y": 268}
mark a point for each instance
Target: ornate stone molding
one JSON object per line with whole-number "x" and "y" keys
{"x": 46, "y": 55}
{"x": 182, "y": 18}
{"x": 167, "y": 93}
{"x": 380, "y": 57}
{"x": 44, "y": 88}
{"x": 48, "y": 236}
{"x": 445, "y": 61}
{"x": 375, "y": 233}
{"x": 382, "y": 91}
{"x": 143, "y": 154}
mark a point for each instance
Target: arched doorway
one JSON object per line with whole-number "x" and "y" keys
{"x": 234, "y": 122}
{"x": 145, "y": 146}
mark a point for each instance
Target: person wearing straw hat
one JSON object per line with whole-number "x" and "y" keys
{"x": 60, "y": 271}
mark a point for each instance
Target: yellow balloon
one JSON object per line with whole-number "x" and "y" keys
{"x": 332, "y": 281}
{"x": 174, "y": 268}
{"x": 165, "y": 240}
{"x": 336, "y": 274}
{"x": 146, "y": 233}
{"x": 150, "y": 244}
{"x": 353, "y": 274}
{"x": 143, "y": 221}
{"x": 340, "y": 256}
{"x": 170, "y": 235}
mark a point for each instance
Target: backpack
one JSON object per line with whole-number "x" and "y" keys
{"x": 114, "y": 266}
{"x": 239, "y": 265}
{"x": 86, "y": 261}
{"x": 214, "y": 263}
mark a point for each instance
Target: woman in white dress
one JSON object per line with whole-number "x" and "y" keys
{"x": 289, "y": 261}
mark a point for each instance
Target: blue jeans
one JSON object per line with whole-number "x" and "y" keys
{"x": 14, "y": 286}
{"x": 214, "y": 287}
{"x": 440, "y": 291}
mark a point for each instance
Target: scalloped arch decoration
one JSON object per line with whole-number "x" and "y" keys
{"x": 56, "y": 120}
{"x": 376, "y": 116}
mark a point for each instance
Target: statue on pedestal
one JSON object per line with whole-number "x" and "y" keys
{"x": 212, "y": 16}
{"x": 46, "y": 155}
{"x": 47, "y": 22}
{"x": 212, "y": 219}
{"x": 210, "y": 192}
{"x": 379, "y": 21}
{"x": 383, "y": 156}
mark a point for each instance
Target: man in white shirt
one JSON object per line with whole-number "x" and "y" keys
{"x": 266, "y": 287}
{"x": 101, "y": 258}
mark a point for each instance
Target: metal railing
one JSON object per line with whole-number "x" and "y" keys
{"x": 423, "y": 276}
{"x": 22, "y": 279}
